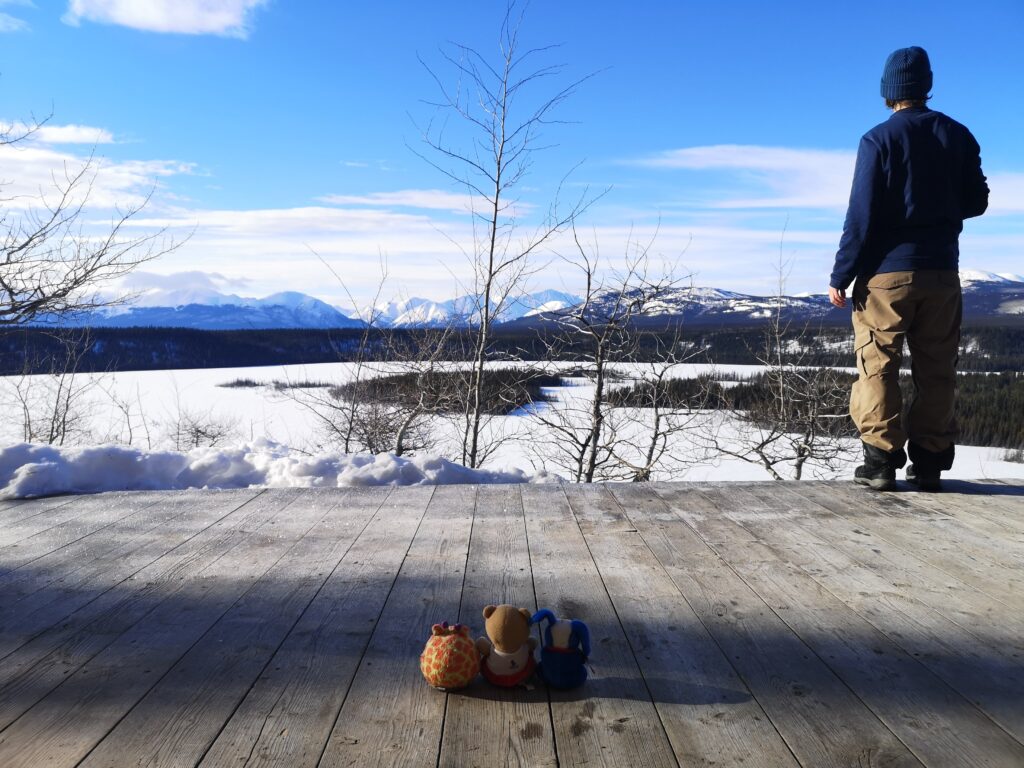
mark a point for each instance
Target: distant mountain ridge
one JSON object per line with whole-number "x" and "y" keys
{"x": 987, "y": 295}
{"x": 417, "y": 312}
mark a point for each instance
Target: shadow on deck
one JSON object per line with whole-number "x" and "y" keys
{"x": 753, "y": 623}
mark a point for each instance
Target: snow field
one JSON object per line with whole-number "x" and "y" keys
{"x": 275, "y": 439}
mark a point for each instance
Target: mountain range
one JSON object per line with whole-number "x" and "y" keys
{"x": 987, "y": 296}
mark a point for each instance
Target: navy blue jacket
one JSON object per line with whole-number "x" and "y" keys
{"x": 918, "y": 176}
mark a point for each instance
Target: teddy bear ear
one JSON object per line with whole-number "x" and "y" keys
{"x": 527, "y": 615}
{"x": 489, "y": 611}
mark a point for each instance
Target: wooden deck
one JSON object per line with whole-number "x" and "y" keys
{"x": 813, "y": 624}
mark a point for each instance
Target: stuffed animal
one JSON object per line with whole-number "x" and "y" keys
{"x": 450, "y": 659}
{"x": 507, "y": 651}
{"x": 563, "y": 656}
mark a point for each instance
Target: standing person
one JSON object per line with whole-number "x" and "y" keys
{"x": 918, "y": 176}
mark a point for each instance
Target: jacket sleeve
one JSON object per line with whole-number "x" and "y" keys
{"x": 865, "y": 199}
{"x": 975, "y": 192}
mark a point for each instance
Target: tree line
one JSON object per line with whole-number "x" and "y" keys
{"x": 29, "y": 349}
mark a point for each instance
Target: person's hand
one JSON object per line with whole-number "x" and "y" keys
{"x": 837, "y": 296}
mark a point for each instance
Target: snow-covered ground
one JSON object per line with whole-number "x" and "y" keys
{"x": 274, "y": 439}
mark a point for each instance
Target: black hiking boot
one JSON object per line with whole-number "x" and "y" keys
{"x": 930, "y": 482}
{"x": 928, "y": 466}
{"x": 878, "y": 472}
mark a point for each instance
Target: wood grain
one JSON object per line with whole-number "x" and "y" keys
{"x": 287, "y": 716}
{"x": 391, "y": 716}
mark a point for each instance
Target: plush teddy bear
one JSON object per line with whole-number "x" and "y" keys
{"x": 450, "y": 659}
{"x": 563, "y": 656}
{"x": 507, "y": 651}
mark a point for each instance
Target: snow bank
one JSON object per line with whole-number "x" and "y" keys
{"x": 28, "y": 469}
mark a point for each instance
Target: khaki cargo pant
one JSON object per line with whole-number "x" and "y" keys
{"x": 924, "y": 308}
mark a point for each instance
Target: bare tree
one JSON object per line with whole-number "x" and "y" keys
{"x": 658, "y": 414}
{"x": 494, "y": 101}
{"x": 130, "y": 424}
{"x": 339, "y": 417}
{"x": 49, "y": 264}
{"x": 590, "y": 438}
{"x": 794, "y": 416}
{"x": 49, "y": 398}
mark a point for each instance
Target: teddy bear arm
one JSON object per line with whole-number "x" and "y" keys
{"x": 483, "y": 646}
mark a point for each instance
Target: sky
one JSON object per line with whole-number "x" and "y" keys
{"x": 281, "y": 143}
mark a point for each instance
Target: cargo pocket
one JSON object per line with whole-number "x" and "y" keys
{"x": 869, "y": 360}
{"x": 888, "y": 281}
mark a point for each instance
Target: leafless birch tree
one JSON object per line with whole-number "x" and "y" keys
{"x": 589, "y": 437}
{"x": 49, "y": 264}
{"x": 797, "y": 416}
{"x": 499, "y": 109}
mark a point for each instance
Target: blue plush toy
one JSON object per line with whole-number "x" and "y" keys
{"x": 564, "y": 652}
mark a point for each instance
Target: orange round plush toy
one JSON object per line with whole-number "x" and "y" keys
{"x": 450, "y": 659}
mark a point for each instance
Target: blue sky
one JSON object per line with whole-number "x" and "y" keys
{"x": 272, "y": 128}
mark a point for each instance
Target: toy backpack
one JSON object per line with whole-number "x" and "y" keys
{"x": 450, "y": 659}
{"x": 565, "y": 650}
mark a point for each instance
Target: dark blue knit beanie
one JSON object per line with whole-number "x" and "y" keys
{"x": 907, "y": 74}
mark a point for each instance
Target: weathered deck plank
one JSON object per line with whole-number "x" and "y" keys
{"x": 61, "y": 525}
{"x": 734, "y": 624}
{"x": 940, "y": 546}
{"x": 822, "y": 721}
{"x": 70, "y": 720}
{"x": 512, "y": 728}
{"x": 66, "y": 563}
{"x": 287, "y": 716}
{"x": 179, "y": 718}
{"x": 613, "y": 721}
{"x": 390, "y": 716}
{"x": 926, "y": 714}
{"x": 984, "y": 671}
{"x": 710, "y": 716}
{"x": 21, "y": 509}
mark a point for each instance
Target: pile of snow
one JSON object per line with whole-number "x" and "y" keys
{"x": 28, "y": 469}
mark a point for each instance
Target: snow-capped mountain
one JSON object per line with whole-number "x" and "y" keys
{"x": 987, "y": 296}
{"x": 206, "y": 309}
{"x": 417, "y": 312}
{"x": 706, "y": 306}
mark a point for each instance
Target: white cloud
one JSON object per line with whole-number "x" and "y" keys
{"x": 73, "y": 134}
{"x": 229, "y": 18}
{"x": 32, "y": 173}
{"x": 10, "y": 23}
{"x": 177, "y": 281}
{"x": 60, "y": 134}
{"x": 262, "y": 251}
{"x": 769, "y": 177}
{"x": 1006, "y": 194}
{"x": 428, "y": 199}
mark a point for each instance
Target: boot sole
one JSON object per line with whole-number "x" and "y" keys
{"x": 876, "y": 484}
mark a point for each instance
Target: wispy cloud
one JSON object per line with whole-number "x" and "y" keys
{"x": 9, "y": 23}
{"x": 228, "y": 18}
{"x": 767, "y": 177}
{"x": 33, "y": 171}
{"x": 61, "y": 134}
{"x": 427, "y": 199}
